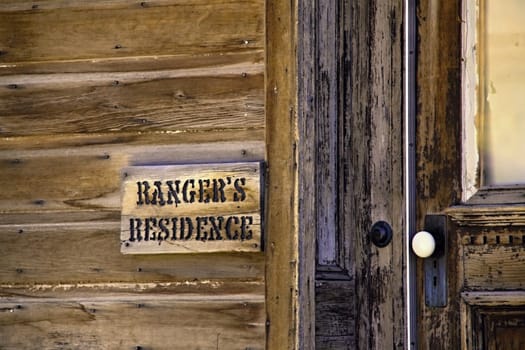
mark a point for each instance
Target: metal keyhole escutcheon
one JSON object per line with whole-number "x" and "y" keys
{"x": 381, "y": 234}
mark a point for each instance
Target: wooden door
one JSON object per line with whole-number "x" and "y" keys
{"x": 351, "y": 174}
{"x": 485, "y": 261}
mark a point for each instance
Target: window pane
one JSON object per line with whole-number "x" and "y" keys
{"x": 502, "y": 79}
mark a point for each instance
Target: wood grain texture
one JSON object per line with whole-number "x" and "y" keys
{"x": 83, "y": 30}
{"x": 177, "y": 100}
{"x": 373, "y": 140}
{"x": 90, "y": 88}
{"x": 327, "y": 101}
{"x": 135, "y": 63}
{"x": 90, "y": 252}
{"x": 17, "y": 144}
{"x": 181, "y": 290}
{"x": 334, "y": 322}
{"x": 489, "y": 267}
{"x": 143, "y": 322}
{"x": 306, "y": 169}
{"x": 438, "y": 150}
{"x": 88, "y": 178}
{"x": 493, "y": 320}
{"x": 282, "y": 198}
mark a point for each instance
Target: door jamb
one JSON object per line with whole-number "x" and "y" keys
{"x": 410, "y": 168}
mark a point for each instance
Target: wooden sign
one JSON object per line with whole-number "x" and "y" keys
{"x": 191, "y": 208}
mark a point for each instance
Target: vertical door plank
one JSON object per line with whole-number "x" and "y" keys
{"x": 376, "y": 171}
{"x": 438, "y": 168}
{"x": 281, "y": 139}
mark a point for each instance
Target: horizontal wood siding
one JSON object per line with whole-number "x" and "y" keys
{"x": 76, "y": 30}
{"x": 88, "y": 88}
{"x": 203, "y": 322}
{"x": 90, "y": 252}
{"x": 88, "y": 178}
{"x": 170, "y": 101}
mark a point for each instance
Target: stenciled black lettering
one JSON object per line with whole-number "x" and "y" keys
{"x": 218, "y": 190}
{"x": 164, "y": 232}
{"x": 204, "y": 196}
{"x": 186, "y": 231}
{"x": 157, "y": 197}
{"x": 174, "y": 228}
{"x": 143, "y": 193}
{"x": 202, "y": 234}
{"x": 134, "y": 230}
{"x": 240, "y": 195}
{"x": 150, "y": 224}
{"x": 216, "y": 226}
{"x": 246, "y": 233}
{"x": 188, "y": 196}
{"x": 229, "y": 221}
{"x": 173, "y": 193}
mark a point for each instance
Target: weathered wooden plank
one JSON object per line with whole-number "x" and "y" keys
{"x": 282, "y": 207}
{"x": 181, "y": 290}
{"x": 306, "y": 171}
{"x": 143, "y": 322}
{"x": 494, "y": 217}
{"x": 498, "y": 196}
{"x": 199, "y": 98}
{"x": 121, "y": 29}
{"x": 192, "y": 208}
{"x": 494, "y": 298}
{"x": 88, "y": 178}
{"x": 334, "y": 316}
{"x": 123, "y": 139}
{"x": 90, "y": 252}
{"x": 335, "y": 343}
{"x": 327, "y": 104}
{"x": 494, "y": 267}
{"x": 374, "y": 132}
{"x": 134, "y": 64}
{"x": 438, "y": 149}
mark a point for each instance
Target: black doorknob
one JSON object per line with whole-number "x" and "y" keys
{"x": 380, "y": 234}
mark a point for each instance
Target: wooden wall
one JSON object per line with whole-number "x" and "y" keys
{"x": 86, "y": 89}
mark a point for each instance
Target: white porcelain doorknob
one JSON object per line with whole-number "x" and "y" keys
{"x": 423, "y": 244}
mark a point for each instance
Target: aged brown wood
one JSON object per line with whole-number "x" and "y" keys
{"x": 216, "y": 97}
{"x": 494, "y": 266}
{"x": 89, "y": 252}
{"x": 191, "y": 208}
{"x": 493, "y": 320}
{"x": 282, "y": 208}
{"x": 113, "y": 29}
{"x": 122, "y": 139}
{"x": 191, "y": 288}
{"x": 88, "y": 177}
{"x": 350, "y": 175}
{"x": 335, "y": 323}
{"x": 306, "y": 169}
{"x": 140, "y": 322}
{"x": 135, "y": 63}
{"x": 438, "y": 163}
{"x": 373, "y": 139}
{"x": 187, "y": 81}
{"x": 485, "y": 248}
